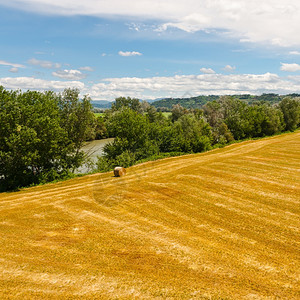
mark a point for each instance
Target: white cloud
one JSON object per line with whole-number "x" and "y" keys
{"x": 44, "y": 63}
{"x": 175, "y": 86}
{"x": 89, "y": 69}
{"x": 228, "y": 68}
{"x": 133, "y": 26}
{"x": 273, "y": 21}
{"x": 129, "y": 53}
{"x": 29, "y": 83}
{"x": 14, "y": 70}
{"x": 289, "y": 67}
{"x": 205, "y": 84}
{"x": 69, "y": 74}
{"x": 294, "y": 53}
{"x": 190, "y": 23}
{"x": 6, "y": 63}
{"x": 207, "y": 71}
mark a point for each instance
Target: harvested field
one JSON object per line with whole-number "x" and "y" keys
{"x": 219, "y": 225}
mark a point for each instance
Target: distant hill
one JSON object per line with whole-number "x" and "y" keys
{"x": 153, "y": 100}
{"x": 104, "y": 104}
{"x": 101, "y": 103}
{"x": 199, "y": 101}
{"x": 192, "y": 102}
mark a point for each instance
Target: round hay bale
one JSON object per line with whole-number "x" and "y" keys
{"x": 119, "y": 171}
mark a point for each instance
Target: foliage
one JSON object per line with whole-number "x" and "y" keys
{"x": 291, "y": 112}
{"x": 194, "y": 134}
{"x": 177, "y": 112}
{"x": 141, "y": 132}
{"x": 132, "y": 103}
{"x": 233, "y": 118}
{"x": 263, "y": 120}
{"x": 192, "y": 102}
{"x": 199, "y": 101}
{"x": 101, "y": 128}
{"x": 41, "y": 135}
{"x": 76, "y": 117}
{"x": 221, "y": 135}
{"x": 132, "y": 132}
{"x": 140, "y": 136}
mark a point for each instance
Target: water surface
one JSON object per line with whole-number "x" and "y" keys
{"x": 93, "y": 149}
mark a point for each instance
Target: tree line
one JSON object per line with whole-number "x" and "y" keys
{"x": 143, "y": 133}
{"x": 42, "y": 133}
{"x": 198, "y": 101}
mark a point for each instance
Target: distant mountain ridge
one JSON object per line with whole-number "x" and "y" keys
{"x": 104, "y": 104}
{"x": 199, "y": 101}
{"x": 101, "y": 103}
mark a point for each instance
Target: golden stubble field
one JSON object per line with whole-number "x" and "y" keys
{"x": 220, "y": 225}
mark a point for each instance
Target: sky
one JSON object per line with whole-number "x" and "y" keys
{"x": 151, "y": 49}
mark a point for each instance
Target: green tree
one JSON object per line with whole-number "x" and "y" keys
{"x": 177, "y": 112}
{"x": 263, "y": 119}
{"x": 221, "y": 134}
{"x": 233, "y": 111}
{"x": 196, "y": 133}
{"x": 187, "y": 134}
{"x": 290, "y": 108}
{"x": 36, "y": 144}
{"x": 132, "y": 133}
{"x": 132, "y": 103}
{"x": 152, "y": 114}
{"x": 213, "y": 112}
{"x": 77, "y": 117}
{"x": 101, "y": 129}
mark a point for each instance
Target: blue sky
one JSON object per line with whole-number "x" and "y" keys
{"x": 151, "y": 49}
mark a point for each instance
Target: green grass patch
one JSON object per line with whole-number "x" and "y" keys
{"x": 167, "y": 114}
{"x": 99, "y": 114}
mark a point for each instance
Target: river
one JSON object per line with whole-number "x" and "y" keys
{"x": 93, "y": 149}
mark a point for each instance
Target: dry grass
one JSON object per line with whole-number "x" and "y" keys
{"x": 219, "y": 225}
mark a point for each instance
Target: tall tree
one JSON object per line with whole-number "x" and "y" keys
{"x": 132, "y": 103}
{"x": 290, "y": 108}
{"x": 38, "y": 142}
{"x": 177, "y": 112}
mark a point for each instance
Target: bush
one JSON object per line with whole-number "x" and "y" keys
{"x": 126, "y": 159}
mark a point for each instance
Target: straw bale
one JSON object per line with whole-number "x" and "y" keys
{"x": 119, "y": 171}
